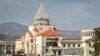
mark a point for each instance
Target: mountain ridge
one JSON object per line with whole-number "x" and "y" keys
{"x": 12, "y": 30}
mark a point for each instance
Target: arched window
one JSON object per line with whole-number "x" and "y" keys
{"x": 78, "y": 45}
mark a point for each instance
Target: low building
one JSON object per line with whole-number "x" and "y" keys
{"x": 7, "y": 47}
{"x": 19, "y": 48}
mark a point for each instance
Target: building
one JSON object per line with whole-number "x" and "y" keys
{"x": 19, "y": 48}
{"x": 7, "y": 47}
{"x": 43, "y": 39}
{"x": 87, "y": 37}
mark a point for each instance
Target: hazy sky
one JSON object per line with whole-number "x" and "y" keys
{"x": 65, "y": 14}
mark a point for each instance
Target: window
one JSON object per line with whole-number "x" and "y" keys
{"x": 40, "y": 28}
{"x": 46, "y": 50}
{"x": 59, "y": 52}
{"x": 78, "y": 45}
{"x": 73, "y": 45}
{"x": 68, "y": 45}
{"x": 39, "y": 55}
{"x": 49, "y": 28}
{"x": 54, "y": 52}
{"x": 54, "y": 28}
{"x": 31, "y": 40}
{"x": 90, "y": 52}
{"x": 41, "y": 23}
{"x": 89, "y": 34}
{"x": 51, "y": 44}
{"x": 54, "y": 43}
{"x": 89, "y": 44}
{"x": 63, "y": 45}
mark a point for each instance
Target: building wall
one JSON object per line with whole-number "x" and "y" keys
{"x": 7, "y": 47}
{"x": 39, "y": 45}
{"x": 72, "y": 48}
{"x": 46, "y": 27}
{"x": 87, "y": 36}
{"x": 18, "y": 46}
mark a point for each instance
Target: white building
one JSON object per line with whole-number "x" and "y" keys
{"x": 87, "y": 37}
{"x": 19, "y": 48}
{"x": 7, "y": 47}
{"x": 43, "y": 39}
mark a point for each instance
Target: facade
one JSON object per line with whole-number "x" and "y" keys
{"x": 7, "y": 47}
{"x": 87, "y": 37}
{"x": 43, "y": 39}
{"x": 19, "y": 48}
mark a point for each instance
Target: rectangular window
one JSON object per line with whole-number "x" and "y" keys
{"x": 59, "y": 52}
{"x": 90, "y": 52}
{"x": 54, "y": 52}
{"x": 68, "y": 45}
{"x": 31, "y": 40}
{"x": 63, "y": 45}
{"x": 46, "y": 50}
{"x": 54, "y": 43}
{"x": 89, "y": 44}
{"x": 73, "y": 45}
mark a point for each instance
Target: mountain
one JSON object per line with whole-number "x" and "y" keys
{"x": 70, "y": 34}
{"x": 12, "y": 30}
{"x": 4, "y": 37}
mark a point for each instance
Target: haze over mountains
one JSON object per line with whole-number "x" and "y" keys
{"x": 70, "y": 34}
{"x": 12, "y": 30}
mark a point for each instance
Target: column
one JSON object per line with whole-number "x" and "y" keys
{"x": 56, "y": 53}
{"x": 5, "y": 49}
{"x": 11, "y": 49}
{"x": 62, "y": 52}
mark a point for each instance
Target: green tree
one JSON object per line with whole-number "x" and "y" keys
{"x": 96, "y": 41}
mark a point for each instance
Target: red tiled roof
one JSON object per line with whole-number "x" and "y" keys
{"x": 30, "y": 33}
{"x": 50, "y": 33}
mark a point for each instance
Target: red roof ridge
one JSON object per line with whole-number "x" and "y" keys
{"x": 50, "y": 32}
{"x": 30, "y": 33}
